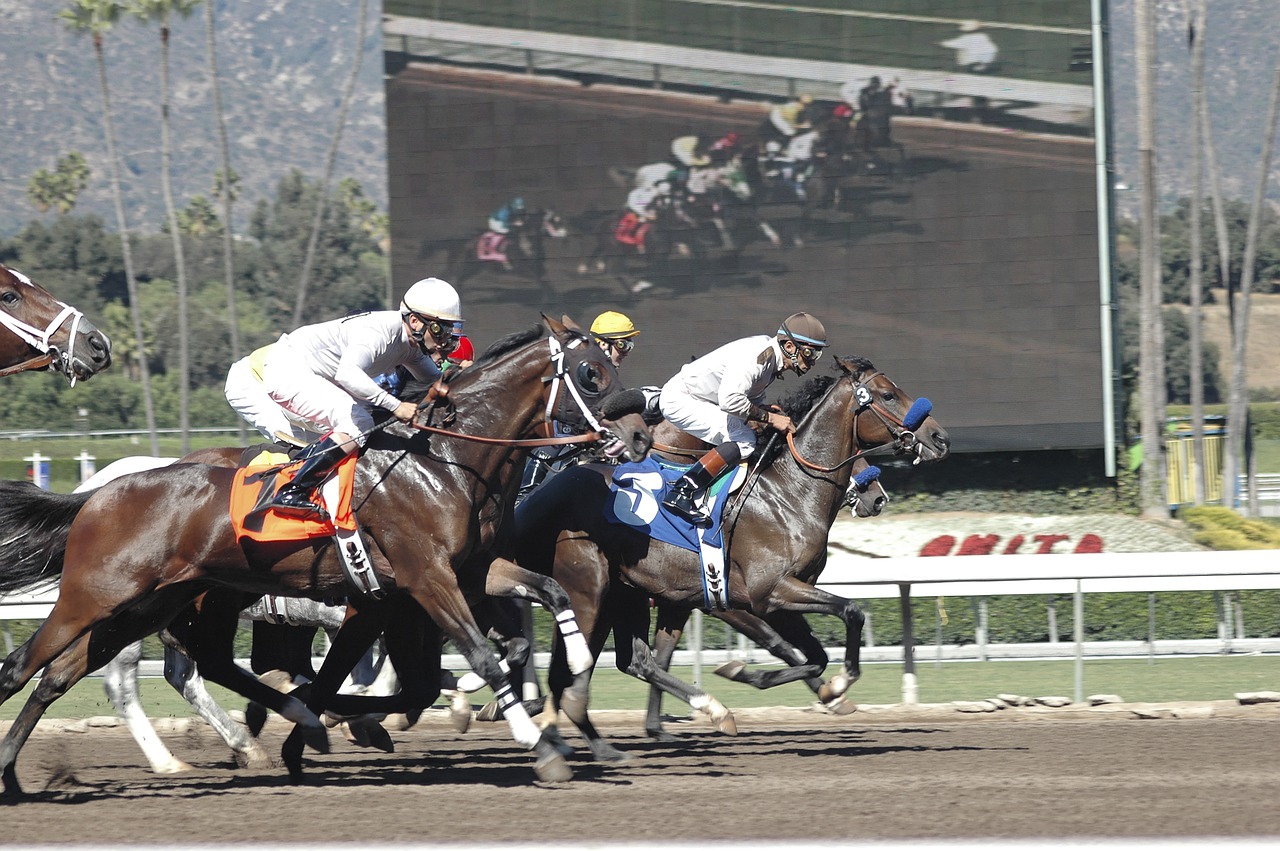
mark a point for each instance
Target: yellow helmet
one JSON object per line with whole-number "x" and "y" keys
{"x": 612, "y": 325}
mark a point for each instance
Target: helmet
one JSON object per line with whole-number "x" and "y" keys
{"x": 463, "y": 350}
{"x": 803, "y": 328}
{"x": 772, "y": 147}
{"x": 842, "y": 111}
{"x": 517, "y": 204}
{"x": 435, "y": 298}
{"x": 612, "y": 325}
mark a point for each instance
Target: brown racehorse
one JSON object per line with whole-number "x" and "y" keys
{"x": 37, "y": 332}
{"x": 428, "y": 503}
{"x": 776, "y": 529}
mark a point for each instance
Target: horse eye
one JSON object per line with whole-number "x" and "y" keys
{"x": 589, "y": 378}
{"x": 9, "y": 297}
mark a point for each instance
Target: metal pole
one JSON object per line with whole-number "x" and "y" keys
{"x": 530, "y": 673}
{"x": 695, "y": 644}
{"x": 910, "y": 685}
{"x": 1151, "y": 628}
{"x": 1079, "y": 636}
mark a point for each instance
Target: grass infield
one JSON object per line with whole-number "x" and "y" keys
{"x": 1134, "y": 680}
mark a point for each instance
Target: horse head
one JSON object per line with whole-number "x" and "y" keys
{"x": 885, "y": 416}
{"x": 44, "y": 332}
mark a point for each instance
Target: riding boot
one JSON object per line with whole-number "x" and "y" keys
{"x": 536, "y": 470}
{"x": 294, "y": 498}
{"x": 685, "y": 492}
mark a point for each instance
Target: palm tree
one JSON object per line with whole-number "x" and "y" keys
{"x": 59, "y": 189}
{"x": 1238, "y": 404}
{"x": 1195, "y": 36}
{"x": 1151, "y": 355}
{"x": 323, "y": 195}
{"x": 160, "y": 12}
{"x": 226, "y": 190}
{"x": 96, "y": 17}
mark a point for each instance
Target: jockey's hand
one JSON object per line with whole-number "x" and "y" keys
{"x": 404, "y": 411}
{"x": 780, "y": 421}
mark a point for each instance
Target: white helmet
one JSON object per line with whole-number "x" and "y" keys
{"x": 434, "y": 298}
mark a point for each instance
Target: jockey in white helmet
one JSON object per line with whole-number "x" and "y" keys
{"x": 324, "y": 374}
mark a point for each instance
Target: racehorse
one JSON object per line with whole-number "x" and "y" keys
{"x": 428, "y": 501}
{"x": 42, "y": 332}
{"x": 672, "y": 231}
{"x": 523, "y": 247}
{"x": 775, "y": 527}
{"x": 721, "y": 194}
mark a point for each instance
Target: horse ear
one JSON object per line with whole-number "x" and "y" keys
{"x": 571, "y": 325}
{"x": 553, "y": 325}
{"x": 847, "y": 367}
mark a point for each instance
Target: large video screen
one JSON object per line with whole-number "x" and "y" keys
{"x": 919, "y": 175}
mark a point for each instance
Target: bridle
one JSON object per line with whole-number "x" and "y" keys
{"x": 902, "y": 438}
{"x": 559, "y": 384}
{"x": 38, "y": 339}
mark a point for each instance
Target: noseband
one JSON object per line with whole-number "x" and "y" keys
{"x": 39, "y": 339}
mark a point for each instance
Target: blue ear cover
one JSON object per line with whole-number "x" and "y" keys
{"x": 920, "y": 409}
{"x": 864, "y": 479}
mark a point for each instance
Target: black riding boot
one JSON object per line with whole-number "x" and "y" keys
{"x": 536, "y": 470}
{"x": 685, "y": 492}
{"x": 294, "y": 498}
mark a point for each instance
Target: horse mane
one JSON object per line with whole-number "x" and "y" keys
{"x": 512, "y": 341}
{"x": 799, "y": 403}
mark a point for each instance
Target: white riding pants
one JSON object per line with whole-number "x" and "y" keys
{"x": 705, "y": 420}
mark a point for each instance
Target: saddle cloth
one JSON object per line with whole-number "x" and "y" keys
{"x": 638, "y": 490}
{"x": 262, "y": 478}
{"x": 489, "y": 246}
{"x": 630, "y": 230}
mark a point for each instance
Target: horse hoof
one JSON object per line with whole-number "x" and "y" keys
{"x": 731, "y": 669}
{"x": 172, "y": 766}
{"x": 316, "y": 738}
{"x": 834, "y": 688}
{"x": 489, "y": 712}
{"x": 721, "y": 717}
{"x": 399, "y": 721}
{"x": 557, "y": 741}
{"x": 842, "y": 706}
{"x": 660, "y": 735}
{"x": 552, "y": 767}
{"x": 460, "y": 711}
{"x": 255, "y": 757}
{"x": 602, "y": 751}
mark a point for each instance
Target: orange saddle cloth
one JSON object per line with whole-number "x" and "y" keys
{"x": 258, "y": 482}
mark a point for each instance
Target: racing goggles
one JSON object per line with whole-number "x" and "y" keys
{"x": 624, "y": 345}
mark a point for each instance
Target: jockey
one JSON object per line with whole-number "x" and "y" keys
{"x": 642, "y": 204}
{"x": 788, "y": 119}
{"x": 716, "y": 396}
{"x": 725, "y": 148}
{"x": 324, "y": 374}
{"x": 505, "y": 216}
{"x": 615, "y": 334}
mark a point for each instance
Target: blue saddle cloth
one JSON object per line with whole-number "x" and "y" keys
{"x": 637, "y": 493}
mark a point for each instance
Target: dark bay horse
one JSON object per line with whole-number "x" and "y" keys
{"x": 428, "y": 502}
{"x": 39, "y": 332}
{"x": 776, "y": 529}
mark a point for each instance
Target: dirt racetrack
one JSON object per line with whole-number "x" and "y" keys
{"x": 790, "y": 775}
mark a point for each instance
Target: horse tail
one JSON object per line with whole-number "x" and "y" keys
{"x": 33, "y": 534}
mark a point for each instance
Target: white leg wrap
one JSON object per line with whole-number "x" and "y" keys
{"x": 471, "y": 682}
{"x": 523, "y": 730}
{"x": 701, "y": 702}
{"x": 575, "y": 645}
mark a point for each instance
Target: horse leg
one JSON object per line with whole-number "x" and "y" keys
{"x": 445, "y": 603}
{"x": 633, "y": 615}
{"x": 180, "y": 672}
{"x": 801, "y": 666}
{"x": 209, "y": 638}
{"x": 120, "y": 681}
{"x": 666, "y": 636}
{"x": 792, "y": 594}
